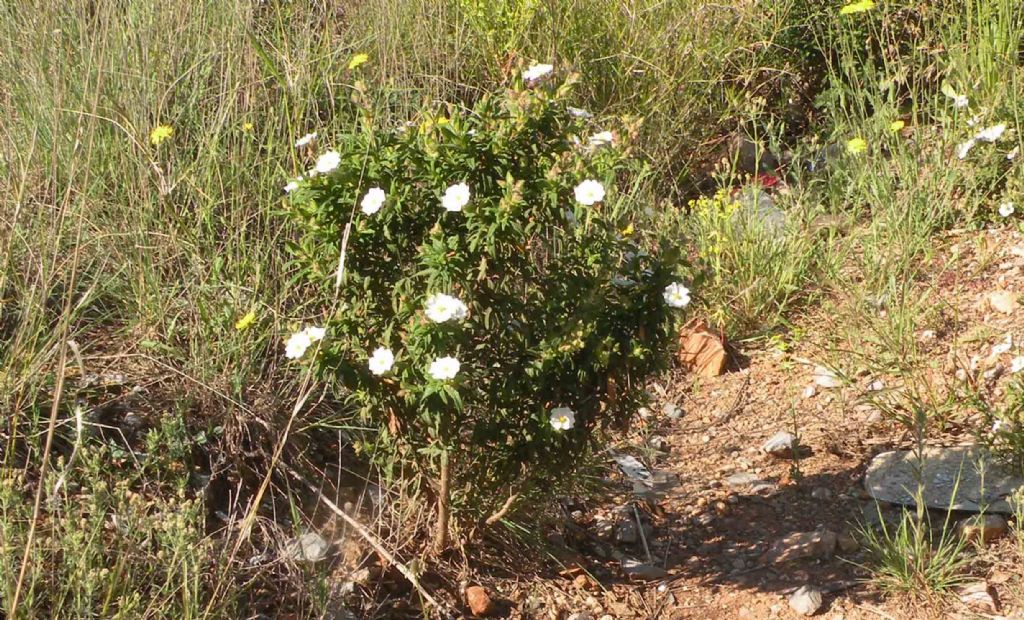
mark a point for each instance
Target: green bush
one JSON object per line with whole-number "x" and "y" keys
{"x": 496, "y": 307}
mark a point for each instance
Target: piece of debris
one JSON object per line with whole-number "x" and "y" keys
{"x": 963, "y": 478}
{"x": 802, "y": 545}
{"x": 1003, "y": 301}
{"x": 980, "y": 597}
{"x": 310, "y": 547}
{"x": 479, "y": 601}
{"x": 781, "y": 445}
{"x": 806, "y": 601}
{"x": 702, "y": 351}
{"x": 983, "y": 529}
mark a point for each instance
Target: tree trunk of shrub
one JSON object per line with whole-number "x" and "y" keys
{"x": 443, "y": 508}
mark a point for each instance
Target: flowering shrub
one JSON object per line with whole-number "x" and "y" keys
{"x": 494, "y": 307}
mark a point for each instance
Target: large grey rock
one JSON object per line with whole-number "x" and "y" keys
{"x": 951, "y": 477}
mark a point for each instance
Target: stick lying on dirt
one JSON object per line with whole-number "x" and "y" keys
{"x": 370, "y": 538}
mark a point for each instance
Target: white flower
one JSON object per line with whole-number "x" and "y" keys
{"x": 444, "y": 368}
{"x": 562, "y": 418}
{"x": 373, "y": 200}
{"x": 1000, "y": 425}
{"x": 315, "y": 333}
{"x": 578, "y": 112}
{"x": 440, "y": 308}
{"x": 993, "y": 133}
{"x": 297, "y": 344}
{"x": 1006, "y": 209}
{"x": 974, "y": 120}
{"x": 965, "y": 148}
{"x": 589, "y": 192}
{"x": 381, "y": 361}
{"x": 1013, "y": 153}
{"x": 327, "y": 162}
{"x": 1017, "y": 364}
{"x": 291, "y": 187}
{"x": 960, "y": 101}
{"x": 305, "y": 140}
{"x": 677, "y": 295}
{"x": 455, "y": 197}
{"x": 601, "y": 138}
{"x": 535, "y": 72}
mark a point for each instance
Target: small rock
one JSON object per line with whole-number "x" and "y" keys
{"x": 980, "y": 597}
{"x": 658, "y": 442}
{"x": 928, "y": 335}
{"x": 580, "y": 616}
{"x": 781, "y": 444}
{"x": 479, "y": 600}
{"x": 672, "y": 411}
{"x": 847, "y": 542}
{"x": 825, "y": 378}
{"x": 822, "y": 494}
{"x": 1003, "y": 301}
{"x": 806, "y": 601}
{"x": 639, "y": 570}
{"x": 310, "y": 547}
{"x": 627, "y": 532}
{"x": 983, "y": 528}
{"x": 801, "y": 545}
{"x": 810, "y": 391}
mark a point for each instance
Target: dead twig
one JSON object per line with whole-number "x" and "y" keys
{"x": 500, "y": 514}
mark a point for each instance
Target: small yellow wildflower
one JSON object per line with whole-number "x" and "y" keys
{"x": 247, "y": 127}
{"x": 855, "y": 146}
{"x": 357, "y": 60}
{"x": 896, "y": 125}
{"x": 160, "y": 133}
{"x": 857, "y": 7}
{"x": 246, "y": 320}
{"x": 628, "y": 230}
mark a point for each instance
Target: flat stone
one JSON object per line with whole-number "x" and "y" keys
{"x": 741, "y": 479}
{"x": 893, "y": 477}
{"x": 639, "y": 570}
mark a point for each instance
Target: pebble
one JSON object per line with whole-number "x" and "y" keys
{"x": 980, "y": 597}
{"x": 479, "y": 600}
{"x": 781, "y": 444}
{"x": 806, "y": 601}
{"x": 826, "y": 378}
{"x": 847, "y": 542}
